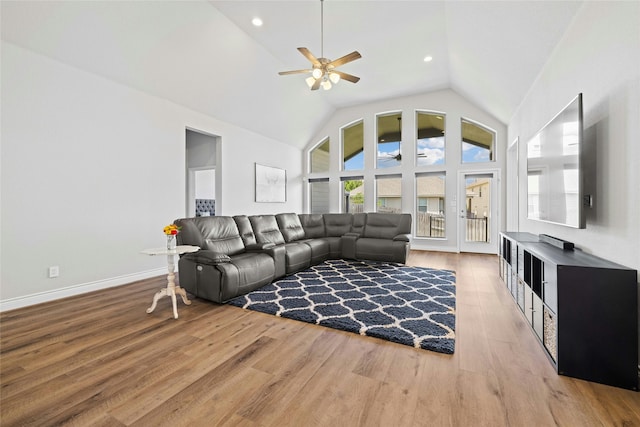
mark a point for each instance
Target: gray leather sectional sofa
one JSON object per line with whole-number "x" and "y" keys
{"x": 242, "y": 253}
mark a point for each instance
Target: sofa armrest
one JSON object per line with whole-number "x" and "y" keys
{"x": 352, "y": 234}
{"x": 278, "y": 253}
{"x": 402, "y": 238}
{"x": 259, "y": 247}
{"x": 207, "y": 257}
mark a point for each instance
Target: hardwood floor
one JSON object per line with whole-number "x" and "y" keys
{"x": 100, "y": 359}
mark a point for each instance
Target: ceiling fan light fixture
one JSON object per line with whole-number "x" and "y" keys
{"x": 317, "y": 73}
{"x": 334, "y": 77}
{"x": 326, "y": 85}
{"x": 310, "y": 81}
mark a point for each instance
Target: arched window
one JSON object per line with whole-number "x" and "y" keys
{"x": 353, "y": 146}
{"x": 320, "y": 157}
{"x": 478, "y": 143}
{"x": 430, "y": 140}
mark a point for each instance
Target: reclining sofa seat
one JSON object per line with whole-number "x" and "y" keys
{"x": 297, "y": 255}
{"x": 385, "y": 237}
{"x": 292, "y": 231}
{"x": 225, "y": 267}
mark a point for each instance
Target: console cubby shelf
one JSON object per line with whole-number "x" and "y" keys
{"x": 583, "y": 309}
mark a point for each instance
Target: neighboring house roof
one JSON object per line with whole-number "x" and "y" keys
{"x": 426, "y": 187}
{"x": 393, "y": 188}
{"x": 357, "y": 190}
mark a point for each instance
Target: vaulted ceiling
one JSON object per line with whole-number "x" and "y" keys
{"x": 207, "y": 56}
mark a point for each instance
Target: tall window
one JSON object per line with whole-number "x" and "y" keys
{"x": 430, "y": 144}
{"x": 477, "y": 143}
{"x": 430, "y": 215}
{"x": 319, "y": 195}
{"x": 353, "y": 147}
{"x": 353, "y": 194}
{"x": 389, "y": 193}
{"x": 389, "y": 127}
{"x": 320, "y": 157}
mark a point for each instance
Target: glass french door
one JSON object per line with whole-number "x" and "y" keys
{"x": 478, "y": 212}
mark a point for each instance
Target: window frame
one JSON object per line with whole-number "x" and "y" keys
{"x": 417, "y": 137}
{"x": 325, "y": 140}
{"x": 441, "y": 203}
{"x": 342, "y": 130}
{"x": 377, "y": 139}
{"x": 377, "y": 178}
{"x": 494, "y": 142}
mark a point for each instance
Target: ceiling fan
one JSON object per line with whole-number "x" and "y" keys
{"x": 387, "y": 157}
{"x": 323, "y": 71}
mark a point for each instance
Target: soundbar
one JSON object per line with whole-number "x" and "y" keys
{"x": 554, "y": 241}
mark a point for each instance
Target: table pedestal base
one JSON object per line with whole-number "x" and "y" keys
{"x": 171, "y": 290}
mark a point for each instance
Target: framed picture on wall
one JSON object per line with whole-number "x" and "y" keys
{"x": 271, "y": 184}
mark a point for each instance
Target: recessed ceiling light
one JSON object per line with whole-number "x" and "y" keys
{"x": 428, "y": 58}
{"x": 257, "y": 22}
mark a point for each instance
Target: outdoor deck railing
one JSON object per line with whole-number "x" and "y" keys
{"x": 433, "y": 225}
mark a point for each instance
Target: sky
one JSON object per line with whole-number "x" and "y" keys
{"x": 430, "y": 152}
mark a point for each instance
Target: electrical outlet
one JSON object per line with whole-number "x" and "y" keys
{"x": 54, "y": 271}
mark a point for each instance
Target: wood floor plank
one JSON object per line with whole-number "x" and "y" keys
{"x": 99, "y": 359}
{"x": 177, "y": 407}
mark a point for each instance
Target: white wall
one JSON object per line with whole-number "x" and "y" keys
{"x": 448, "y": 102}
{"x": 600, "y": 57}
{"x": 91, "y": 172}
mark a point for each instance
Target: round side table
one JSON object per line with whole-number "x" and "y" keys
{"x": 172, "y": 289}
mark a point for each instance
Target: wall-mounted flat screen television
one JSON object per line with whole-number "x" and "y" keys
{"x": 554, "y": 174}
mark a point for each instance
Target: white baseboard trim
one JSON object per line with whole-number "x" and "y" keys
{"x": 425, "y": 246}
{"x": 69, "y": 291}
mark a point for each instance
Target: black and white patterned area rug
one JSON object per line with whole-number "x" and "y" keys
{"x": 414, "y": 306}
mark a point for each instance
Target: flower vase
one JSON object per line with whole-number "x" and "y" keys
{"x": 171, "y": 242}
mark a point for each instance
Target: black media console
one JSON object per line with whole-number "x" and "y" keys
{"x": 583, "y": 309}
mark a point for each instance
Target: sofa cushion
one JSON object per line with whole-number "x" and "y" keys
{"x": 337, "y": 224}
{"x": 265, "y": 228}
{"x": 319, "y": 249}
{"x": 358, "y": 222}
{"x": 290, "y": 227}
{"x": 298, "y": 257}
{"x": 215, "y": 233}
{"x": 386, "y": 226}
{"x": 381, "y": 250}
{"x": 335, "y": 246}
{"x": 313, "y": 225}
{"x": 246, "y": 232}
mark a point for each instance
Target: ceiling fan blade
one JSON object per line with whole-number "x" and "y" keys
{"x": 309, "y": 56}
{"x": 347, "y": 77}
{"x": 284, "y": 73}
{"x": 316, "y": 84}
{"x": 345, "y": 59}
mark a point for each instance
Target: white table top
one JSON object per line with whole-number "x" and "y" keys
{"x": 181, "y": 249}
